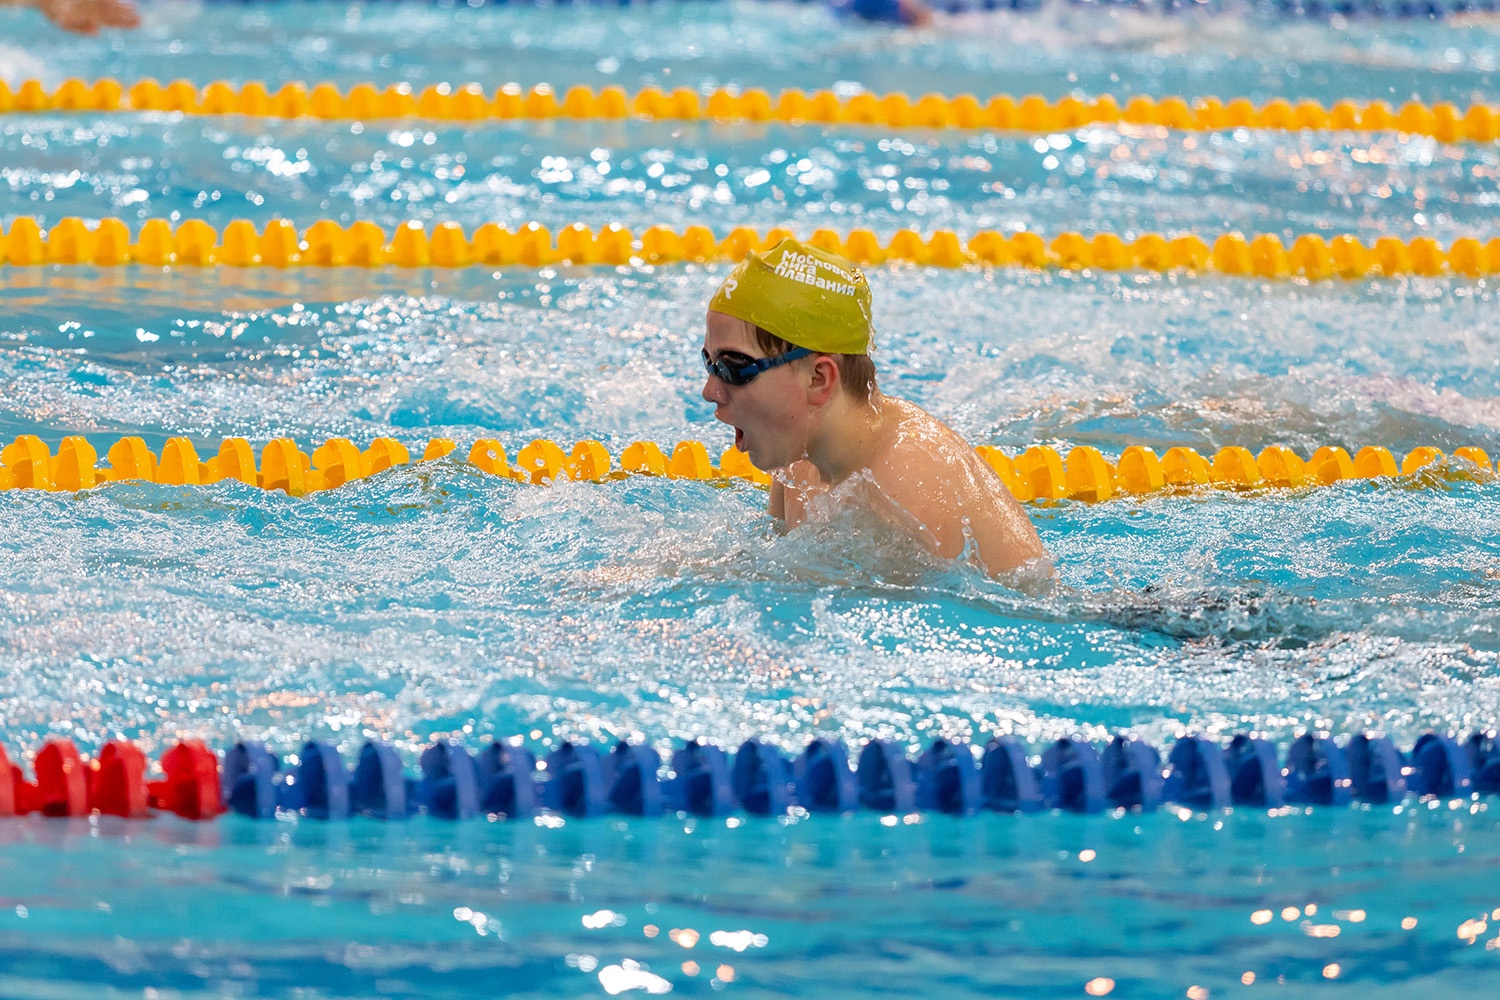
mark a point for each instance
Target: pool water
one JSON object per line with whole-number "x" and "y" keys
{"x": 433, "y": 600}
{"x": 994, "y": 906}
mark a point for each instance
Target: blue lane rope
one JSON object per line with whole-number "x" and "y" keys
{"x": 582, "y": 780}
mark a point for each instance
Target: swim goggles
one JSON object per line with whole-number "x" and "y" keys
{"x": 733, "y": 371}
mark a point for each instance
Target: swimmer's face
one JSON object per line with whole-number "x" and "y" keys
{"x": 770, "y": 414}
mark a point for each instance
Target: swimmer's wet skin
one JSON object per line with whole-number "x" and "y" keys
{"x": 787, "y": 350}
{"x": 84, "y": 17}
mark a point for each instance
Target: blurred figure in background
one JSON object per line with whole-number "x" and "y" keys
{"x": 912, "y": 13}
{"x": 85, "y": 17}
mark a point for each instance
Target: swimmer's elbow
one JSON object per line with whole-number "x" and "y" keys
{"x": 1023, "y": 564}
{"x": 1033, "y": 577}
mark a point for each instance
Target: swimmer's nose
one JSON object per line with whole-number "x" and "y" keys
{"x": 713, "y": 391}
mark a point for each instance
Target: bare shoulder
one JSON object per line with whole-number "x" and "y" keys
{"x": 950, "y": 496}
{"x": 921, "y": 454}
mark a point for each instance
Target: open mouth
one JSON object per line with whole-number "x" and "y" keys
{"x": 739, "y": 439}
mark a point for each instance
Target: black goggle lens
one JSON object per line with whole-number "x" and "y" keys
{"x": 736, "y": 369}
{"x": 732, "y": 369}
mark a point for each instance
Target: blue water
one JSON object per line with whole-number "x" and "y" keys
{"x": 990, "y": 907}
{"x": 433, "y": 600}
{"x": 754, "y": 43}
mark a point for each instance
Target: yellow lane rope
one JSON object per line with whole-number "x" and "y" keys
{"x": 363, "y": 244}
{"x": 472, "y": 102}
{"x": 1038, "y": 473}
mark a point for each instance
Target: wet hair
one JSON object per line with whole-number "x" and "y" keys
{"x": 856, "y": 371}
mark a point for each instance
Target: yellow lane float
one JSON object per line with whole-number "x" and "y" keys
{"x": 1038, "y": 473}
{"x": 471, "y": 102}
{"x": 327, "y": 244}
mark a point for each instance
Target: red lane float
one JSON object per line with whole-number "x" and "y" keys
{"x": 113, "y": 783}
{"x": 61, "y": 787}
{"x": 191, "y": 788}
{"x": 117, "y": 781}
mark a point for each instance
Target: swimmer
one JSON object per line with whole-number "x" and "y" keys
{"x": 912, "y": 13}
{"x": 84, "y": 17}
{"x": 787, "y": 354}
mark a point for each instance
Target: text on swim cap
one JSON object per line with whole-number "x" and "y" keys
{"x": 803, "y": 267}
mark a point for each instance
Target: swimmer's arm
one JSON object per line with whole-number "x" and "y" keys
{"x": 85, "y": 17}
{"x": 1001, "y": 547}
{"x": 791, "y": 488}
{"x": 1012, "y": 552}
{"x": 927, "y": 508}
{"x": 924, "y": 497}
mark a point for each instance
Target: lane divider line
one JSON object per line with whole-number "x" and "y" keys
{"x": 1038, "y": 473}
{"x": 581, "y": 780}
{"x": 195, "y": 243}
{"x": 471, "y": 102}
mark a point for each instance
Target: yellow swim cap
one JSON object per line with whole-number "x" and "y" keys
{"x": 805, "y": 295}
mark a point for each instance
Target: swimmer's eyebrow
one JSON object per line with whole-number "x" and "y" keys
{"x": 719, "y": 355}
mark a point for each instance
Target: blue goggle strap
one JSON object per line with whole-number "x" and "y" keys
{"x": 746, "y": 372}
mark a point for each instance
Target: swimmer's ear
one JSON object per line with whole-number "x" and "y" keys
{"x": 825, "y": 380}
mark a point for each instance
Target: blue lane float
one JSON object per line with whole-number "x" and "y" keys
{"x": 1132, "y": 774}
{"x": 1438, "y": 767}
{"x": 573, "y": 784}
{"x": 823, "y": 780}
{"x": 1008, "y": 782}
{"x": 885, "y": 779}
{"x": 506, "y": 783}
{"x": 761, "y": 779}
{"x": 703, "y": 785}
{"x": 948, "y": 779}
{"x": 1317, "y": 773}
{"x": 1070, "y": 775}
{"x": 1483, "y": 753}
{"x": 580, "y": 780}
{"x": 450, "y": 781}
{"x": 1255, "y": 777}
{"x": 1377, "y": 770}
{"x": 1197, "y": 775}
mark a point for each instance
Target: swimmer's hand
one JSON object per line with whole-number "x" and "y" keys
{"x": 86, "y": 17}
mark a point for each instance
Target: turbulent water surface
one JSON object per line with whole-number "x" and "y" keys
{"x": 433, "y": 599}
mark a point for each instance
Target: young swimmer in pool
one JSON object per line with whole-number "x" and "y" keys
{"x": 787, "y": 355}
{"x": 85, "y": 17}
